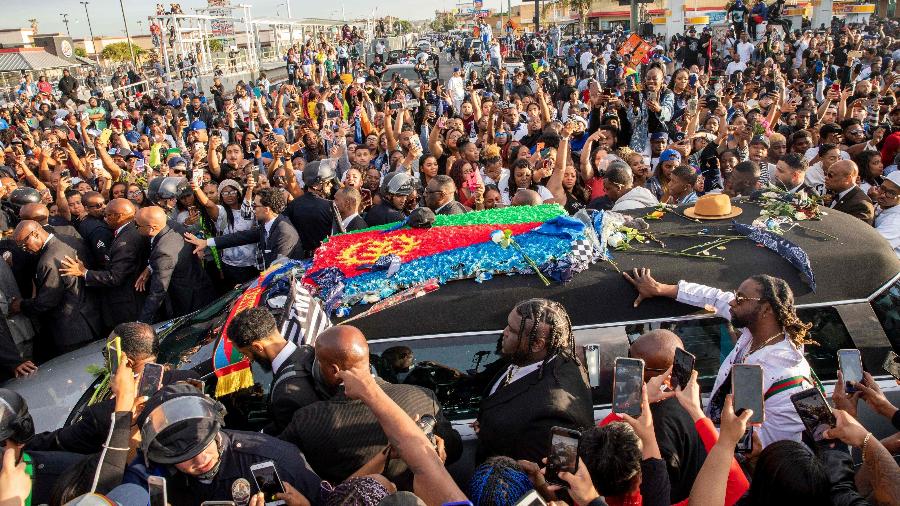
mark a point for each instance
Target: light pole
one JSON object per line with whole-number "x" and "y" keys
{"x": 128, "y": 35}
{"x": 65, "y": 17}
{"x": 91, "y": 30}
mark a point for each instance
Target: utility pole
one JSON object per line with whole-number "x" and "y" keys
{"x": 65, "y": 17}
{"x": 128, "y": 35}
{"x": 537, "y": 16}
{"x": 91, "y": 30}
{"x": 634, "y": 17}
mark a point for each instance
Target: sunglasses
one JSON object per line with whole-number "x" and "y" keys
{"x": 741, "y": 298}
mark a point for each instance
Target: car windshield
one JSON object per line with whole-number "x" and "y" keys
{"x": 401, "y": 72}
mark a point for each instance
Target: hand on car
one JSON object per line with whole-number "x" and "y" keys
{"x": 646, "y": 286}
{"x": 26, "y": 368}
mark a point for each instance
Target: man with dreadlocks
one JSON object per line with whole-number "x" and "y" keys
{"x": 543, "y": 386}
{"x": 772, "y": 336}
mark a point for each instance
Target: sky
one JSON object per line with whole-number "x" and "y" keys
{"x": 106, "y": 16}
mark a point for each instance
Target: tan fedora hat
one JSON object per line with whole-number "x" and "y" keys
{"x": 713, "y": 206}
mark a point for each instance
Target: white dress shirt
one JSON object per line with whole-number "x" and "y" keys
{"x": 515, "y": 373}
{"x": 887, "y": 223}
{"x": 346, "y": 221}
{"x": 779, "y": 361}
{"x": 283, "y": 356}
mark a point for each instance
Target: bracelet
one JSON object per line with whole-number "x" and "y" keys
{"x": 865, "y": 445}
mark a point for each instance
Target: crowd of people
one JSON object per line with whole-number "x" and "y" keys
{"x": 118, "y": 213}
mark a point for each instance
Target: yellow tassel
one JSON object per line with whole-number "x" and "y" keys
{"x": 234, "y": 381}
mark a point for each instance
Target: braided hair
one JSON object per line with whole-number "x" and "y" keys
{"x": 498, "y": 482}
{"x": 778, "y": 294}
{"x": 359, "y": 491}
{"x": 560, "y": 340}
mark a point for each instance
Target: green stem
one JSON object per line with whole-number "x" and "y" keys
{"x": 795, "y": 224}
{"x": 674, "y": 253}
{"x": 530, "y": 262}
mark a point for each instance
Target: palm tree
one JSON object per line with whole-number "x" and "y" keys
{"x": 581, "y": 7}
{"x": 34, "y": 25}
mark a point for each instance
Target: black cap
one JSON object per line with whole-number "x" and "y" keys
{"x": 176, "y": 440}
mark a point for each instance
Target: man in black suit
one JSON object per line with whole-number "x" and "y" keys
{"x": 274, "y": 235}
{"x": 347, "y": 201}
{"x": 311, "y": 213}
{"x": 339, "y": 435}
{"x": 847, "y": 197}
{"x": 88, "y": 433}
{"x": 64, "y": 232}
{"x": 126, "y": 258}
{"x": 69, "y": 315}
{"x": 543, "y": 386}
{"x": 679, "y": 442}
{"x": 178, "y": 283}
{"x": 439, "y": 196}
{"x": 97, "y": 236}
{"x": 255, "y": 334}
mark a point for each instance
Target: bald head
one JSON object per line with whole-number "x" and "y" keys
{"x": 30, "y": 236}
{"x": 35, "y": 212}
{"x": 841, "y": 176}
{"x": 150, "y": 220}
{"x": 657, "y": 349}
{"x": 340, "y": 348}
{"x": 525, "y": 197}
{"x": 119, "y": 212}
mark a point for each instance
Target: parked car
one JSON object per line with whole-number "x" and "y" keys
{"x": 453, "y": 332}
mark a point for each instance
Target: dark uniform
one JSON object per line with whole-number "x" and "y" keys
{"x": 98, "y": 237}
{"x": 312, "y": 216}
{"x": 46, "y": 468}
{"x": 240, "y": 450}
{"x": 383, "y": 214}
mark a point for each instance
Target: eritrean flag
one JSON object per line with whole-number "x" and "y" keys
{"x": 455, "y": 247}
{"x": 230, "y": 366}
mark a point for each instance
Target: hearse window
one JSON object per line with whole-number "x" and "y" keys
{"x": 456, "y": 368}
{"x": 887, "y": 307}
{"x": 829, "y": 331}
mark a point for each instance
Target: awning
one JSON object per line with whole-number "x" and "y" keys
{"x": 85, "y": 61}
{"x": 31, "y": 60}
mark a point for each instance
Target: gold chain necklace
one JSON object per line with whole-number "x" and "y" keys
{"x": 763, "y": 345}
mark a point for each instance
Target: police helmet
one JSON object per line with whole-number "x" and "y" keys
{"x": 167, "y": 188}
{"x": 21, "y": 196}
{"x": 16, "y": 423}
{"x": 319, "y": 171}
{"x": 398, "y": 183}
{"x": 178, "y": 423}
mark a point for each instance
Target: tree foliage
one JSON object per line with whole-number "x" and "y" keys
{"x": 216, "y": 45}
{"x": 444, "y": 22}
{"x": 119, "y": 52}
{"x": 581, "y": 8}
{"x": 403, "y": 26}
{"x": 80, "y": 51}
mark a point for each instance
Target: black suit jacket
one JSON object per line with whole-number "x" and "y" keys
{"x": 97, "y": 237}
{"x": 282, "y": 240}
{"x": 311, "y": 216}
{"x": 339, "y": 435}
{"x": 292, "y": 388}
{"x": 178, "y": 278}
{"x": 515, "y": 421}
{"x": 357, "y": 223}
{"x": 453, "y": 207}
{"x": 857, "y": 203}
{"x": 127, "y": 258}
{"x": 62, "y": 303}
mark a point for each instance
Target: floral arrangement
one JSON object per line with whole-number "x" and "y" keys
{"x": 800, "y": 206}
{"x": 347, "y": 269}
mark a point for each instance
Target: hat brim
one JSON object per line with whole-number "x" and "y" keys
{"x": 735, "y": 211}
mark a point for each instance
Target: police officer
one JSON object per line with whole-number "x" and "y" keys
{"x": 165, "y": 192}
{"x": 312, "y": 213}
{"x": 182, "y": 438}
{"x": 395, "y": 190}
{"x": 16, "y": 429}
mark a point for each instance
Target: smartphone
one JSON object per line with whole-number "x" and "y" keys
{"x": 254, "y": 173}
{"x": 682, "y": 367}
{"x": 747, "y": 388}
{"x": 97, "y": 164}
{"x": 427, "y": 423}
{"x": 254, "y": 144}
{"x": 851, "y": 367}
{"x": 151, "y": 380}
{"x": 267, "y": 481}
{"x": 532, "y": 498}
{"x": 563, "y": 454}
{"x": 156, "y": 485}
{"x": 892, "y": 365}
{"x": 64, "y": 173}
{"x": 628, "y": 380}
{"x": 745, "y": 444}
{"x": 114, "y": 354}
{"x": 189, "y": 174}
{"x": 197, "y": 176}
{"x": 538, "y": 147}
{"x": 139, "y": 164}
{"x": 395, "y": 105}
{"x": 105, "y": 135}
{"x": 836, "y": 86}
{"x": 415, "y": 142}
{"x": 333, "y": 114}
{"x": 814, "y": 412}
